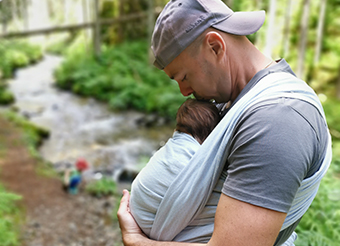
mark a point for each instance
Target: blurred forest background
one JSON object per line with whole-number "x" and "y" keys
{"x": 105, "y": 45}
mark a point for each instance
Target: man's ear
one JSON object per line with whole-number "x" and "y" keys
{"x": 215, "y": 43}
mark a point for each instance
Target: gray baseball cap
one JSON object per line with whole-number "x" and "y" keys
{"x": 182, "y": 21}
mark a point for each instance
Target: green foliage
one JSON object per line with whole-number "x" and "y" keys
{"x": 6, "y": 10}
{"x": 33, "y": 135}
{"x": 336, "y": 157}
{"x": 311, "y": 238}
{"x": 332, "y": 108}
{"x": 325, "y": 74}
{"x": 6, "y": 97}
{"x": 9, "y": 232}
{"x": 16, "y": 54}
{"x": 133, "y": 29}
{"x": 319, "y": 226}
{"x": 320, "y": 223}
{"x": 58, "y": 44}
{"x": 122, "y": 77}
{"x": 102, "y": 187}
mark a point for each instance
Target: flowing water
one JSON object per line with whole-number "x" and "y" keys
{"x": 83, "y": 127}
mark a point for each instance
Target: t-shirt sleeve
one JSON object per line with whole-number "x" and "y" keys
{"x": 270, "y": 153}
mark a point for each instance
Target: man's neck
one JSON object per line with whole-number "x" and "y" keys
{"x": 245, "y": 61}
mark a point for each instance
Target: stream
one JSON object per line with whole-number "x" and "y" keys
{"x": 114, "y": 143}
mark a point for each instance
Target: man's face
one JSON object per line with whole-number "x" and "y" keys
{"x": 197, "y": 75}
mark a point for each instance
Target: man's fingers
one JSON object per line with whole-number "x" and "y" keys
{"x": 124, "y": 203}
{"x": 126, "y": 196}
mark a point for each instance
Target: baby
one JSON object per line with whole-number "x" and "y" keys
{"x": 195, "y": 121}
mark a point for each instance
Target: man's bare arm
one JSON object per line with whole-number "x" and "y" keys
{"x": 236, "y": 223}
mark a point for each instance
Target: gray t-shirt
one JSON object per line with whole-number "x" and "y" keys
{"x": 273, "y": 148}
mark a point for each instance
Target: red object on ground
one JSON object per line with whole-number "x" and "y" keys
{"x": 82, "y": 164}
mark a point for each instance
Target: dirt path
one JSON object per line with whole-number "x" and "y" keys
{"x": 52, "y": 216}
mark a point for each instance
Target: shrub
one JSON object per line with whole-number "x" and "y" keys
{"x": 121, "y": 77}
{"x": 6, "y": 97}
{"x": 9, "y": 232}
{"x": 103, "y": 187}
{"x": 17, "y": 54}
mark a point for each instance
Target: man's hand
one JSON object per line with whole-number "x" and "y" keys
{"x": 130, "y": 230}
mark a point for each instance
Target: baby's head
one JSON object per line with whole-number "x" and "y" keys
{"x": 197, "y": 118}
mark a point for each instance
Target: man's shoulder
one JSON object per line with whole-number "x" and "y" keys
{"x": 286, "y": 110}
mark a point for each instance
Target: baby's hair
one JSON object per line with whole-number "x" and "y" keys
{"x": 197, "y": 118}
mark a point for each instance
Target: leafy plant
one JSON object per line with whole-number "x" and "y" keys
{"x": 6, "y": 97}
{"x": 9, "y": 234}
{"x": 122, "y": 77}
{"x": 311, "y": 238}
{"x": 103, "y": 187}
{"x": 16, "y": 54}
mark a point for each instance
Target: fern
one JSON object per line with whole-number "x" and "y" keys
{"x": 312, "y": 238}
{"x": 8, "y": 212}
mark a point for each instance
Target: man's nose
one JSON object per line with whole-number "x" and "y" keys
{"x": 185, "y": 89}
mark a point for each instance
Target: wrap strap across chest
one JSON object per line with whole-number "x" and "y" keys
{"x": 188, "y": 194}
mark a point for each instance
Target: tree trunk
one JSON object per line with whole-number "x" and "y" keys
{"x": 258, "y": 40}
{"x": 24, "y": 14}
{"x": 15, "y": 15}
{"x": 96, "y": 33}
{"x": 286, "y": 29}
{"x": 303, "y": 38}
{"x": 321, "y": 22}
{"x": 85, "y": 20}
{"x": 258, "y": 4}
{"x": 270, "y": 29}
{"x": 4, "y": 15}
{"x": 120, "y": 36}
{"x": 66, "y": 11}
{"x": 4, "y": 26}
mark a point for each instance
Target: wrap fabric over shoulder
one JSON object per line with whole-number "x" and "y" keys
{"x": 188, "y": 193}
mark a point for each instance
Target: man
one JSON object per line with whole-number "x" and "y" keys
{"x": 278, "y": 147}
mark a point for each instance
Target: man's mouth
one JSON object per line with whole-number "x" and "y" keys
{"x": 199, "y": 98}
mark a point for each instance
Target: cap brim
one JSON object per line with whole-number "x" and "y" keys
{"x": 242, "y": 23}
{"x": 157, "y": 64}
